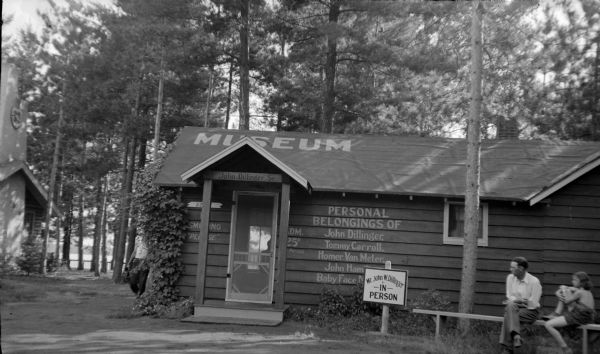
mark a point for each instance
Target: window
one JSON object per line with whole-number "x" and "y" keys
{"x": 257, "y": 243}
{"x": 454, "y": 224}
{"x": 30, "y": 223}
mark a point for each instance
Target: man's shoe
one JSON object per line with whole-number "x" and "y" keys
{"x": 517, "y": 341}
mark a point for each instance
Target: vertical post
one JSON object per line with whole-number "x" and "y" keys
{"x": 584, "y": 341}
{"x": 437, "y": 327}
{"x": 203, "y": 242}
{"x": 284, "y": 217}
{"x": 385, "y": 313}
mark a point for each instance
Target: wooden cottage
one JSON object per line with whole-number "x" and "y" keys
{"x": 22, "y": 198}
{"x": 292, "y": 213}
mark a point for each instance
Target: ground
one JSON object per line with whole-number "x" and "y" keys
{"x": 77, "y": 313}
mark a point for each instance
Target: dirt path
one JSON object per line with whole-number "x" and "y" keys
{"x": 77, "y": 315}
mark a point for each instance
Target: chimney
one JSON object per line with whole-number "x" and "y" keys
{"x": 506, "y": 128}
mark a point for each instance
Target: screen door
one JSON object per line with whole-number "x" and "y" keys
{"x": 252, "y": 247}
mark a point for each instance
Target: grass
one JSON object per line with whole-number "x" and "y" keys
{"x": 409, "y": 332}
{"x": 11, "y": 292}
{"x": 15, "y": 288}
{"x": 125, "y": 312}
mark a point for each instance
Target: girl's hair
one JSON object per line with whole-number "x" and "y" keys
{"x": 584, "y": 280}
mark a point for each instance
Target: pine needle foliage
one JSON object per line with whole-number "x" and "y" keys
{"x": 31, "y": 255}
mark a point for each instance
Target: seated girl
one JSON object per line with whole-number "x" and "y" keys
{"x": 575, "y": 307}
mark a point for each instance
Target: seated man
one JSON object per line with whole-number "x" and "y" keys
{"x": 523, "y": 292}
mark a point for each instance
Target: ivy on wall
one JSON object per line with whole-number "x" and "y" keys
{"x": 162, "y": 221}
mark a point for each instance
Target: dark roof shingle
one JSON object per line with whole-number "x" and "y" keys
{"x": 510, "y": 169}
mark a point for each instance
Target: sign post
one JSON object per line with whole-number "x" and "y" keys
{"x": 385, "y": 286}
{"x": 385, "y": 312}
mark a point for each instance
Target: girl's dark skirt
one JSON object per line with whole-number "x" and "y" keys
{"x": 579, "y": 315}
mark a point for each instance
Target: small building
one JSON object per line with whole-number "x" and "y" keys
{"x": 292, "y": 213}
{"x": 22, "y": 197}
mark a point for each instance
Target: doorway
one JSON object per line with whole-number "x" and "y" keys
{"x": 252, "y": 247}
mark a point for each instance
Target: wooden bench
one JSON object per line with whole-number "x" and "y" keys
{"x": 439, "y": 314}
{"x": 584, "y": 338}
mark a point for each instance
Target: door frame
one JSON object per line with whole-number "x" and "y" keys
{"x": 232, "y": 235}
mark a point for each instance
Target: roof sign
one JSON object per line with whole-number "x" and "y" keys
{"x": 283, "y": 143}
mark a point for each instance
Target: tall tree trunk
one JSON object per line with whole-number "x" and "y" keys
{"x": 209, "y": 96}
{"x": 67, "y": 228}
{"x": 59, "y": 218}
{"x": 103, "y": 225}
{"x": 142, "y": 154}
{"x": 469, "y": 267}
{"x": 228, "y": 110}
{"x": 127, "y": 178}
{"x": 97, "y": 227}
{"x": 124, "y": 217}
{"x": 80, "y": 231}
{"x": 133, "y": 227}
{"x": 330, "y": 64}
{"x": 596, "y": 93}
{"x": 130, "y": 215}
{"x": 81, "y": 217}
{"x": 280, "y": 108}
{"x": 244, "y": 106}
{"x": 53, "y": 170}
{"x": 119, "y": 241}
{"x": 159, "y": 107}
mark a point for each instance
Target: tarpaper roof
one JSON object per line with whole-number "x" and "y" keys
{"x": 515, "y": 170}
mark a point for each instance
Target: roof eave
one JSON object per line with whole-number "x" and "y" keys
{"x": 579, "y": 171}
{"x": 36, "y": 189}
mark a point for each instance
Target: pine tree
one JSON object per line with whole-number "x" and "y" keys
{"x": 31, "y": 255}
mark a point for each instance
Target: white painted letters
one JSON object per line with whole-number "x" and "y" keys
{"x": 278, "y": 142}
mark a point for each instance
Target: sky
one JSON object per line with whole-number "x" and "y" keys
{"x": 25, "y": 13}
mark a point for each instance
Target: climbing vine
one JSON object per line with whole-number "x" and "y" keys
{"x": 162, "y": 221}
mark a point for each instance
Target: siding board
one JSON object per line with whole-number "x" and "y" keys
{"x": 558, "y": 238}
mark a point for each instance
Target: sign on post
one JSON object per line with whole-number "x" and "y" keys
{"x": 385, "y": 286}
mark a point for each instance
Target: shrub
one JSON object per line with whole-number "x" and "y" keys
{"x": 51, "y": 263}
{"x": 405, "y": 322}
{"x": 339, "y": 313}
{"x": 31, "y": 255}
{"x": 7, "y": 265}
{"x": 148, "y": 305}
{"x": 333, "y": 303}
{"x": 357, "y": 306}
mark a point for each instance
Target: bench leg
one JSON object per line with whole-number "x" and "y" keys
{"x": 584, "y": 340}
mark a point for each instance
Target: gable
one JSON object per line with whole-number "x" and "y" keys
{"x": 245, "y": 144}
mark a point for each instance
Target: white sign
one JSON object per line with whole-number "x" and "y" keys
{"x": 385, "y": 286}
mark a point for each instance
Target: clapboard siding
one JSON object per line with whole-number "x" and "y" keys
{"x": 218, "y": 244}
{"x": 573, "y": 211}
{"x": 416, "y": 245}
{"x": 317, "y": 258}
{"x": 332, "y": 237}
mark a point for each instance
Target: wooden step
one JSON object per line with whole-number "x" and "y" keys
{"x": 237, "y": 313}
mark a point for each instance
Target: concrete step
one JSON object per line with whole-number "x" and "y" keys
{"x": 237, "y": 313}
{"x": 231, "y": 320}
